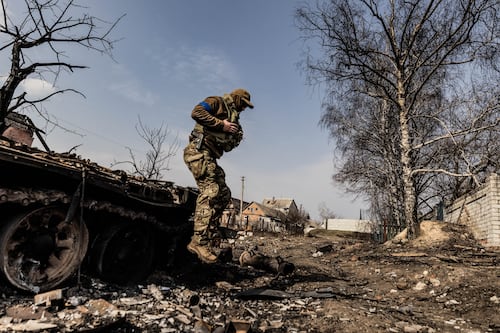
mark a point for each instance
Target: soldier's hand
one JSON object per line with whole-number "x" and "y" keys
{"x": 230, "y": 127}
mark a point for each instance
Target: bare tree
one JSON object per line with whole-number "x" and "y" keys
{"x": 48, "y": 26}
{"x": 296, "y": 220}
{"x": 157, "y": 158}
{"x": 325, "y": 213}
{"x": 400, "y": 107}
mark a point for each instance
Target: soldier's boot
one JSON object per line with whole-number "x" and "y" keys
{"x": 202, "y": 249}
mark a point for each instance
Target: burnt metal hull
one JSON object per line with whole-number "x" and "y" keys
{"x": 55, "y": 204}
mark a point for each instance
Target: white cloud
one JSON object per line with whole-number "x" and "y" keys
{"x": 131, "y": 89}
{"x": 36, "y": 88}
{"x": 204, "y": 66}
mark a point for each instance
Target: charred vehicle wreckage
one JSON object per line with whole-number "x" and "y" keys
{"x": 59, "y": 211}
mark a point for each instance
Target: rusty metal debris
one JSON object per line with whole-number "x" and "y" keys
{"x": 275, "y": 294}
{"x": 270, "y": 264}
{"x": 263, "y": 293}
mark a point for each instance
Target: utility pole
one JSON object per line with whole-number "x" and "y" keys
{"x": 241, "y": 200}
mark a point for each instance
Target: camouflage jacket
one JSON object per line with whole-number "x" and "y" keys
{"x": 209, "y": 116}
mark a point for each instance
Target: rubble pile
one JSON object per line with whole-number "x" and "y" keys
{"x": 153, "y": 308}
{"x": 329, "y": 285}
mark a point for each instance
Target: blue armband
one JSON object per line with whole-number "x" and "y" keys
{"x": 206, "y": 106}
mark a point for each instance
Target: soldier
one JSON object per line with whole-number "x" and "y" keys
{"x": 217, "y": 130}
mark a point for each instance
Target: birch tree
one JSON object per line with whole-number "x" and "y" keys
{"x": 412, "y": 92}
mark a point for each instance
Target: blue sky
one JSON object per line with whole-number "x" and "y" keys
{"x": 174, "y": 53}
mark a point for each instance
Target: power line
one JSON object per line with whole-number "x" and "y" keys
{"x": 92, "y": 133}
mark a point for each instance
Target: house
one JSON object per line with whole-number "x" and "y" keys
{"x": 272, "y": 215}
{"x": 231, "y": 215}
{"x": 258, "y": 217}
{"x": 284, "y": 205}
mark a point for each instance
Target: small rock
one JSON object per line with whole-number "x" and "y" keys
{"x": 415, "y": 328}
{"x": 402, "y": 284}
{"x": 226, "y": 286}
{"x": 183, "y": 319}
{"x": 155, "y": 292}
{"x": 435, "y": 282}
{"x": 317, "y": 254}
{"x": 419, "y": 286}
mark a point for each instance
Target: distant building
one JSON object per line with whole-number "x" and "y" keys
{"x": 231, "y": 215}
{"x": 272, "y": 215}
{"x": 285, "y": 205}
{"x": 259, "y": 217}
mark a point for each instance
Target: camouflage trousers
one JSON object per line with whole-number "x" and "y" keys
{"x": 214, "y": 194}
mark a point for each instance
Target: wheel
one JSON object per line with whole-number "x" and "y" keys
{"x": 39, "y": 250}
{"x": 123, "y": 253}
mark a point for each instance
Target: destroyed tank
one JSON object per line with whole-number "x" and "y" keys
{"x": 60, "y": 212}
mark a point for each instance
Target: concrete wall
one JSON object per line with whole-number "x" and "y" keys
{"x": 348, "y": 225}
{"x": 480, "y": 211}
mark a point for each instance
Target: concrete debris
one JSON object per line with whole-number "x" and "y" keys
{"x": 317, "y": 254}
{"x": 32, "y": 326}
{"x": 155, "y": 292}
{"x": 49, "y": 296}
{"x": 26, "y": 312}
{"x": 175, "y": 312}
{"x": 349, "y": 289}
{"x": 226, "y": 286}
{"x": 131, "y": 301}
{"x": 100, "y": 307}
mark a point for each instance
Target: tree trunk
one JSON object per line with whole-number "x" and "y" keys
{"x": 16, "y": 76}
{"x": 409, "y": 197}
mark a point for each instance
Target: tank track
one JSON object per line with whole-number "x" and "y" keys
{"x": 27, "y": 196}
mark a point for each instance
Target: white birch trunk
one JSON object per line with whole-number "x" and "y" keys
{"x": 408, "y": 182}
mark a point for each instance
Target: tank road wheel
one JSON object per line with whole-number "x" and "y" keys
{"x": 123, "y": 253}
{"x": 38, "y": 250}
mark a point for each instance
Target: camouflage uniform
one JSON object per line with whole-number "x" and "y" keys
{"x": 207, "y": 143}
